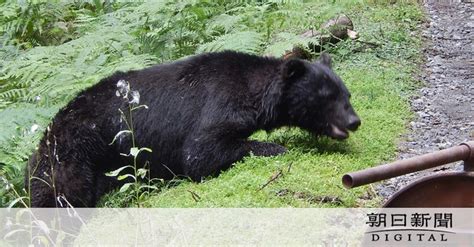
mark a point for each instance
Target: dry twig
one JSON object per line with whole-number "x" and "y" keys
{"x": 274, "y": 177}
{"x": 195, "y": 196}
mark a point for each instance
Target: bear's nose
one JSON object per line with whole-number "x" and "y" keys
{"x": 354, "y": 123}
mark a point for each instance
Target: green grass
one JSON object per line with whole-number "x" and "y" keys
{"x": 379, "y": 79}
{"x": 56, "y": 63}
{"x": 317, "y": 165}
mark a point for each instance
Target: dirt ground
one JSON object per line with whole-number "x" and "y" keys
{"x": 444, "y": 107}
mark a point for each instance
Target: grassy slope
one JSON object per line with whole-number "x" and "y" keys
{"x": 378, "y": 78}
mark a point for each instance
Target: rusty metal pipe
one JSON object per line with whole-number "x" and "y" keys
{"x": 464, "y": 151}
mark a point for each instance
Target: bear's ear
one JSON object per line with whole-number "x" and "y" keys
{"x": 325, "y": 59}
{"x": 293, "y": 68}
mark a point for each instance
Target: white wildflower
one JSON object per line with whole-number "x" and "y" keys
{"x": 135, "y": 97}
{"x": 122, "y": 84}
{"x": 37, "y": 98}
{"x": 123, "y": 89}
{"x": 34, "y": 128}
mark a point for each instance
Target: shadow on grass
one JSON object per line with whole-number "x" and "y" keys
{"x": 292, "y": 138}
{"x": 295, "y": 138}
{"x": 117, "y": 199}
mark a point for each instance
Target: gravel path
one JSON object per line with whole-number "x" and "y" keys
{"x": 444, "y": 107}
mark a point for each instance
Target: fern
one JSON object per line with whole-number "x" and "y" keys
{"x": 246, "y": 41}
{"x": 18, "y": 140}
{"x": 286, "y": 41}
{"x": 33, "y": 23}
{"x": 224, "y": 23}
{"x": 23, "y": 116}
{"x": 58, "y": 73}
{"x": 50, "y": 52}
{"x": 14, "y": 94}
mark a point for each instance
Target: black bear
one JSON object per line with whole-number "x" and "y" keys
{"x": 200, "y": 112}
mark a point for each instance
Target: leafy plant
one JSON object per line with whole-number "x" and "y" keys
{"x": 139, "y": 172}
{"x": 29, "y": 24}
{"x": 51, "y": 51}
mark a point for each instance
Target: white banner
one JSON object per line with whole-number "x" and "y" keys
{"x": 239, "y": 226}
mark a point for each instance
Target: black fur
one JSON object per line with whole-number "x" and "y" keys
{"x": 201, "y": 111}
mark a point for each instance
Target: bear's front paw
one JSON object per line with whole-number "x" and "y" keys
{"x": 266, "y": 148}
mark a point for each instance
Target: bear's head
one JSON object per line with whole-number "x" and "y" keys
{"x": 316, "y": 99}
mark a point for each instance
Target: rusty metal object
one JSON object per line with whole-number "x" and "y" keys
{"x": 469, "y": 162}
{"x": 447, "y": 190}
{"x": 464, "y": 151}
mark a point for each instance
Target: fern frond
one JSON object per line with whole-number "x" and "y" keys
{"x": 14, "y": 94}
{"x": 223, "y": 23}
{"x": 246, "y": 41}
{"x": 18, "y": 140}
{"x": 23, "y": 116}
{"x": 59, "y": 72}
{"x": 285, "y": 42}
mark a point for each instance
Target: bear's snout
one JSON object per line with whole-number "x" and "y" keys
{"x": 341, "y": 124}
{"x": 353, "y": 123}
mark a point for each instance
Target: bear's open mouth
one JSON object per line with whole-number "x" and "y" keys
{"x": 338, "y": 133}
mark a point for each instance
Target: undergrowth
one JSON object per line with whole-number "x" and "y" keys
{"x": 50, "y": 52}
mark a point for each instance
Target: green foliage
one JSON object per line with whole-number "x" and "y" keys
{"x": 51, "y": 51}
{"x": 41, "y": 23}
{"x": 133, "y": 187}
{"x": 22, "y": 127}
{"x": 379, "y": 77}
{"x": 29, "y": 24}
{"x": 55, "y": 74}
{"x": 246, "y": 41}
